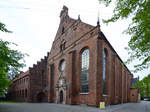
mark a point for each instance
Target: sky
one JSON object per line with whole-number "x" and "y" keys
{"x": 35, "y": 22}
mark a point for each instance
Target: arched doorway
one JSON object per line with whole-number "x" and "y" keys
{"x": 61, "y": 97}
{"x": 41, "y": 97}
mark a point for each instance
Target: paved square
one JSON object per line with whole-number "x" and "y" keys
{"x": 144, "y": 106}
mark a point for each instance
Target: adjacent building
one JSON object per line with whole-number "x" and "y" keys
{"x": 19, "y": 89}
{"x": 30, "y": 86}
{"x": 134, "y": 92}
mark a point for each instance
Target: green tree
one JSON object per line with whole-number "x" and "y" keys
{"x": 3, "y": 28}
{"x": 139, "y": 28}
{"x": 144, "y": 86}
{"x": 140, "y": 85}
{"x": 10, "y": 62}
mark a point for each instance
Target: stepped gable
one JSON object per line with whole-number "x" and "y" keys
{"x": 69, "y": 31}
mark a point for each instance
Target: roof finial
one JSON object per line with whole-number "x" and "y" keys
{"x": 98, "y": 23}
{"x": 64, "y": 11}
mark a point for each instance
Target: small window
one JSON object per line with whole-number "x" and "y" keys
{"x": 62, "y": 65}
{"x": 42, "y": 72}
{"x": 26, "y": 93}
{"x": 62, "y": 32}
{"x": 63, "y": 46}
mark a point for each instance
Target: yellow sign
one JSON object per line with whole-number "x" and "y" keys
{"x": 102, "y": 105}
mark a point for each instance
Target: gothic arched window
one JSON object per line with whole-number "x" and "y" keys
{"x": 104, "y": 71}
{"x": 84, "y": 70}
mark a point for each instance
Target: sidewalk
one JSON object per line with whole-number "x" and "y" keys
{"x": 52, "y": 107}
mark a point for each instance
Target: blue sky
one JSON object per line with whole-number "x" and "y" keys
{"x": 34, "y": 24}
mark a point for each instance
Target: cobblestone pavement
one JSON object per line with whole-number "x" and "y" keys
{"x": 51, "y": 107}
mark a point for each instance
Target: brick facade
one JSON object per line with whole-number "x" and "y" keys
{"x": 134, "y": 92}
{"x": 30, "y": 86}
{"x": 75, "y": 36}
{"x": 134, "y": 96}
{"x": 19, "y": 89}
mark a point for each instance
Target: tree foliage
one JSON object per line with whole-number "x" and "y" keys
{"x": 10, "y": 62}
{"x": 144, "y": 86}
{"x": 3, "y": 29}
{"x": 139, "y": 28}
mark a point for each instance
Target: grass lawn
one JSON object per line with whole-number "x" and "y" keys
{"x": 9, "y": 102}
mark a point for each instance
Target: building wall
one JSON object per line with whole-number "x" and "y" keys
{"x": 133, "y": 95}
{"x": 72, "y": 73}
{"x": 117, "y": 76}
{"x": 38, "y": 81}
{"x": 19, "y": 90}
{"x": 31, "y": 86}
{"x": 77, "y": 36}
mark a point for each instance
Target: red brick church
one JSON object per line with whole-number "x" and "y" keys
{"x": 82, "y": 67}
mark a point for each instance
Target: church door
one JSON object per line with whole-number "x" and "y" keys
{"x": 61, "y": 96}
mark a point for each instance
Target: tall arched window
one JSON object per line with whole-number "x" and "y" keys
{"x": 104, "y": 71}
{"x": 84, "y": 70}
